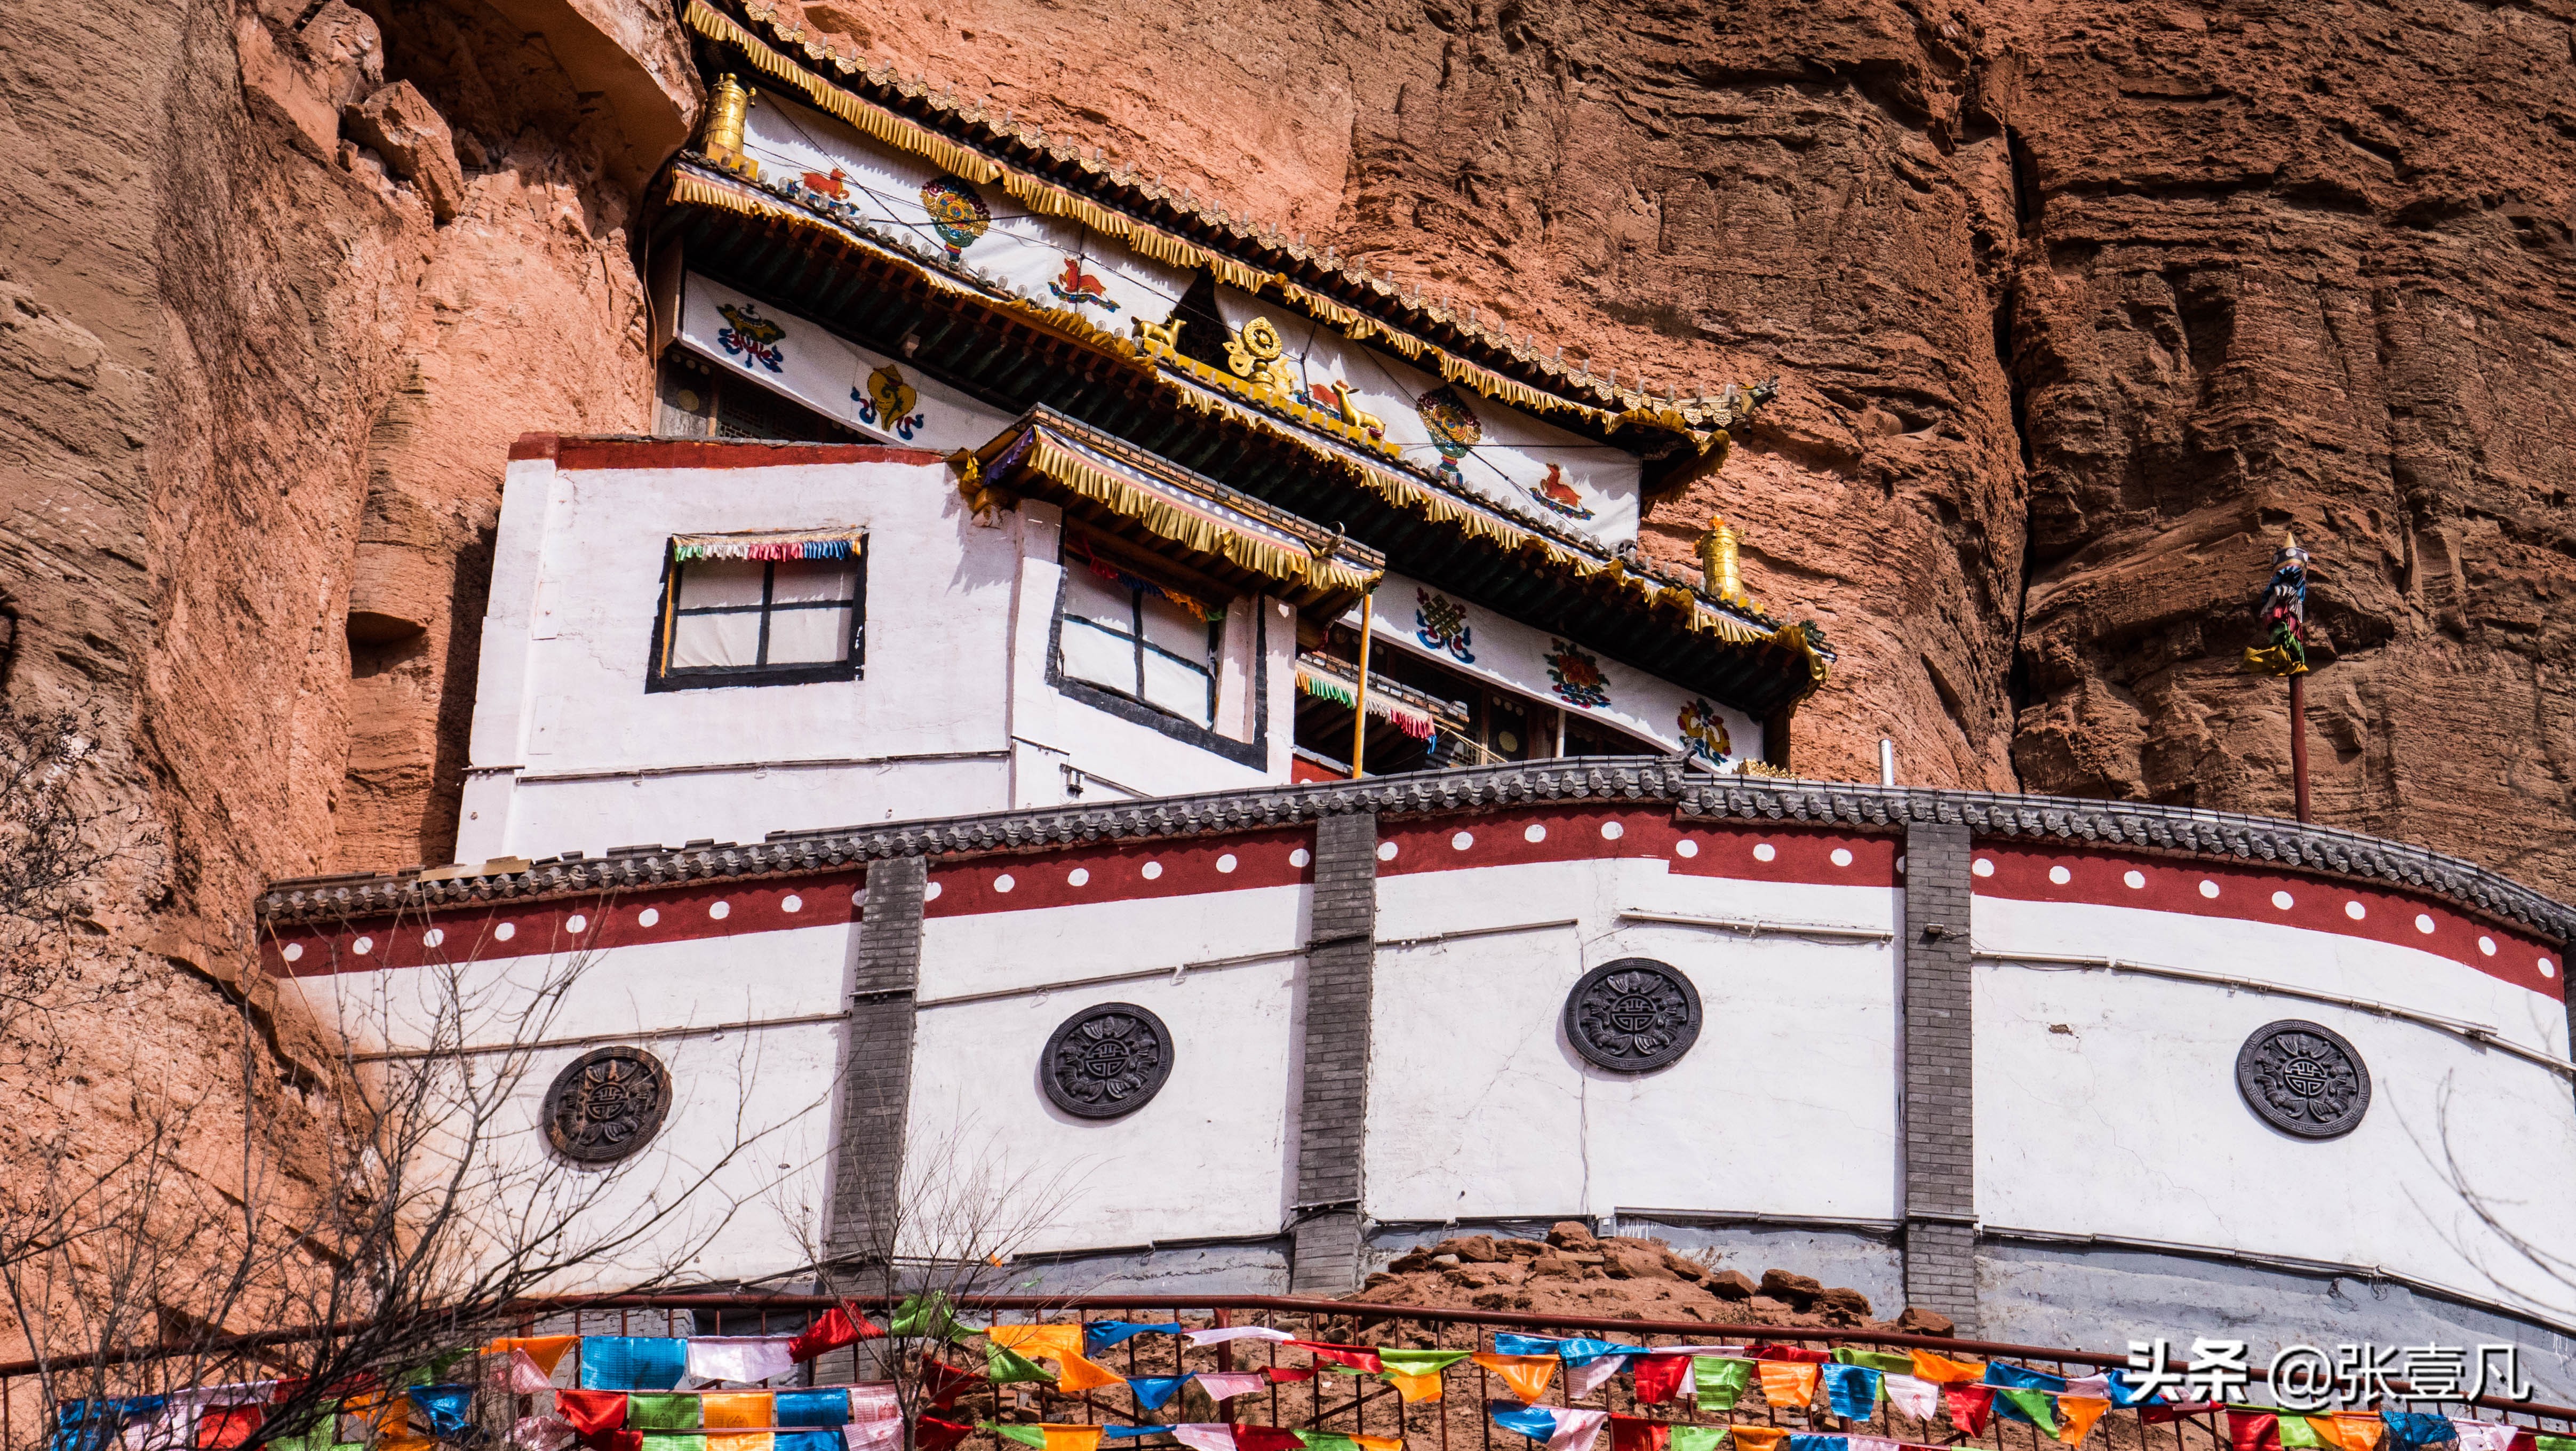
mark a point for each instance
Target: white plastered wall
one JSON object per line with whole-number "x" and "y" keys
{"x": 1479, "y": 1108}
{"x": 2107, "y": 1103}
{"x": 1209, "y": 1156}
{"x": 744, "y": 1153}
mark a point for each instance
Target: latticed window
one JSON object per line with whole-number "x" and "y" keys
{"x": 1145, "y": 639}
{"x": 761, "y": 609}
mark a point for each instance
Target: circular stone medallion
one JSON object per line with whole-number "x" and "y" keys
{"x": 2303, "y": 1078}
{"x": 1632, "y": 1015}
{"x": 606, "y": 1103}
{"x": 1106, "y": 1061}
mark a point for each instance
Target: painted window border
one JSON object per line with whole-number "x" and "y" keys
{"x": 659, "y": 677}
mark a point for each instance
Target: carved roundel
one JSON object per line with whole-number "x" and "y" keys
{"x": 1632, "y": 1015}
{"x": 1106, "y": 1061}
{"x": 2303, "y": 1078}
{"x": 606, "y": 1103}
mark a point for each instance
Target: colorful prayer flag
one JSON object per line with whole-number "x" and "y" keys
{"x": 1153, "y": 1391}
{"x": 546, "y": 1350}
{"x": 541, "y": 1433}
{"x": 1852, "y": 1390}
{"x": 1630, "y": 1433}
{"x": 525, "y": 1377}
{"x": 1697, "y": 1438}
{"x": 738, "y": 1410}
{"x": 830, "y": 1406}
{"x": 1787, "y": 1384}
{"x": 1882, "y": 1361}
{"x": 2039, "y": 1408}
{"x": 1527, "y": 1375}
{"x": 1200, "y": 1436}
{"x": 2484, "y": 1435}
{"x": 873, "y": 1435}
{"x": 1225, "y": 1333}
{"x": 1003, "y": 1366}
{"x": 2413, "y": 1428}
{"x": 1100, "y": 1335}
{"x": 2298, "y": 1435}
{"x": 2253, "y": 1431}
{"x": 927, "y": 1318}
{"x": 1420, "y": 1362}
{"x": 592, "y": 1412}
{"x": 1414, "y": 1388}
{"x": 662, "y": 1411}
{"x": 2076, "y": 1415}
{"x": 806, "y": 1440}
{"x": 1759, "y": 1438}
{"x": 1913, "y": 1395}
{"x": 930, "y": 1433}
{"x": 745, "y": 1358}
{"x": 1810, "y": 1441}
{"x": 632, "y": 1362}
{"x": 1583, "y": 1377}
{"x": 740, "y": 1441}
{"x": 1049, "y": 1437}
{"x": 1942, "y": 1370}
{"x": 1225, "y": 1385}
{"x": 1718, "y": 1382}
{"x": 1658, "y": 1380}
{"x": 1971, "y": 1406}
{"x": 1264, "y": 1438}
{"x": 2358, "y": 1431}
{"x": 2022, "y": 1377}
{"x": 1357, "y": 1357}
{"x": 942, "y": 1383}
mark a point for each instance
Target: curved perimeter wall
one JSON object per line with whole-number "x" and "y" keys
{"x": 1973, "y": 1053}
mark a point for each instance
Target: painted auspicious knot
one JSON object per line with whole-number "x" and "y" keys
{"x": 1440, "y": 623}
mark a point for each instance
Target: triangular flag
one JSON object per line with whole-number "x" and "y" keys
{"x": 1419, "y": 1362}
{"x": 1003, "y": 1366}
{"x": 2039, "y": 1408}
{"x": 1055, "y": 1341}
{"x": 873, "y": 1435}
{"x": 1971, "y": 1406}
{"x": 1697, "y": 1438}
{"x": 1914, "y": 1396}
{"x": 1760, "y": 1438}
{"x": 1788, "y": 1385}
{"x": 1413, "y": 1388}
{"x": 1527, "y": 1375}
{"x": 1100, "y": 1335}
{"x": 1852, "y": 1390}
{"x": 1577, "y": 1430}
{"x": 1536, "y": 1422}
{"x": 1719, "y": 1382}
{"x": 942, "y": 1383}
{"x": 1658, "y": 1380}
{"x": 2484, "y": 1435}
{"x": 2253, "y": 1431}
{"x": 1152, "y": 1391}
{"x": 1942, "y": 1370}
{"x": 745, "y": 1358}
{"x": 2351, "y": 1431}
{"x": 2298, "y": 1434}
{"x": 2076, "y": 1415}
{"x": 1357, "y": 1357}
{"x": 929, "y": 1433}
{"x": 1629, "y": 1433}
{"x": 1203, "y": 1436}
{"x": 592, "y": 1412}
{"x": 928, "y": 1318}
{"x": 1264, "y": 1438}
{"x": 541, "y": 1433}
{"x": 831, "y": 1330}
{"x": 1225, "y": 1385}
{"x": 526, "y": 1376}
{"x": 546, "y": 1350}
{"x": 1225, "y": 1333}
{"x": 1082, "y": 1375}
{"x": 1583, "y": 1377}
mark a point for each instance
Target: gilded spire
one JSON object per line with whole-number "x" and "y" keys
{"x": 725, "y": 117}
{"x": 1720, "y": 570}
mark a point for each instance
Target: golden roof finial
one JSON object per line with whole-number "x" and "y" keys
{"x": 1721, "y": 571}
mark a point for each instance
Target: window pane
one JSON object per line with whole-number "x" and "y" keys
{"x": 802, "y": 580}
{"x": 809, "y": 637}
{"x": 720, "y": 582}
{"x": 702, "y": 640}
{"x": 1093, "y": 598}
{"x": 1178, "y": 688}
{"x": 1096, "y": 655}
{"x": 1176, "y": 629}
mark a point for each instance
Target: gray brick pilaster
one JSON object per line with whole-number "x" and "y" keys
{"x": 1939, "y": 1113}
{"x": 1341, "y": 954}
{"x": 876, "y": 1064}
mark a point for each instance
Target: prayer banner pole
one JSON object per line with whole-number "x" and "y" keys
{"x": 2283, "y": 612}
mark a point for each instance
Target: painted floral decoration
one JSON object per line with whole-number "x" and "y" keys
{"x": 1704, "y": 732}
{"x": 957, "y": 213}
{"x": 1578, "y": 677}
{"x": 1452, "y": 425}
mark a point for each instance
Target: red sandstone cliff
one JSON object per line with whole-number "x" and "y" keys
{"x": 2074, "y": 311}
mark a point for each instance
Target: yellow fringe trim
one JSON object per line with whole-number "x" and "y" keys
{"x": 1396, "y": 489}
{"x": 1150, "y": 241}
{"x": 1052, "y": 460}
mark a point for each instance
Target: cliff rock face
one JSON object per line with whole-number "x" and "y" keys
{"x": 278, "y": 284}
{"x": 2075, "y": 312}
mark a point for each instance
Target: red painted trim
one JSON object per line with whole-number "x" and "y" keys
{"x": 534, "y": 445}
{"x": 1122, "y": 873}
{"x": 2247, "y": 894}
{"x": 685, "y": 913}
{"x": 1739, "y": 850}
{"x": 697, "y": 453}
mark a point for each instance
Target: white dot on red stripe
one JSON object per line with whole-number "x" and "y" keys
{"x": 1004, "y": 882}
{"x": 576, "y": 923}
{"x": 720, "y": 910}
{"x": 363, "y": 946}
{"x": 1764, "y": 851}
{"x": 1842, "y": 856}
{"x": 2486, "y": 946}
{"x": 2133, "y": 880}
{"x": 1077, "y": 877}
{"x": 1386, "y": 851}
{"x": 1151, "y": 870}
{"x": 1462, "y": 841}
{"x": 1612, "y": 831}
{"x": 791, "y": 903}
{"x": 2060, "y": 875}
{"x": 508, "y": 930}
{"x": 2548, "y": 968}
{"x": 1686, "y": 847}
{"x": 1535, "y": 832}
{"x": 437, "y": 935}
{"x": 2424, "y": 923}
{"x": 295, "y": 950}
{"x": 1300, "y": 857}
{"x": 2208, "y": 888}
{"x": 2281, "y": 900}
{"x": 929, "y": 893}
{"x": 2355, "y": 911}
{"x": 1982, "y": 867}
{"x": 1226, "y": 862}
{"x": 645, "y": 918}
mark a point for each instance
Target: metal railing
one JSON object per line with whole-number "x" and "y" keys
{"x": 1328, "y": 1402}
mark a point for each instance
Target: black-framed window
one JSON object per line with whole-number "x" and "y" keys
{"x": 1126, "y": 635}
{"x": 760, "y": 621}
